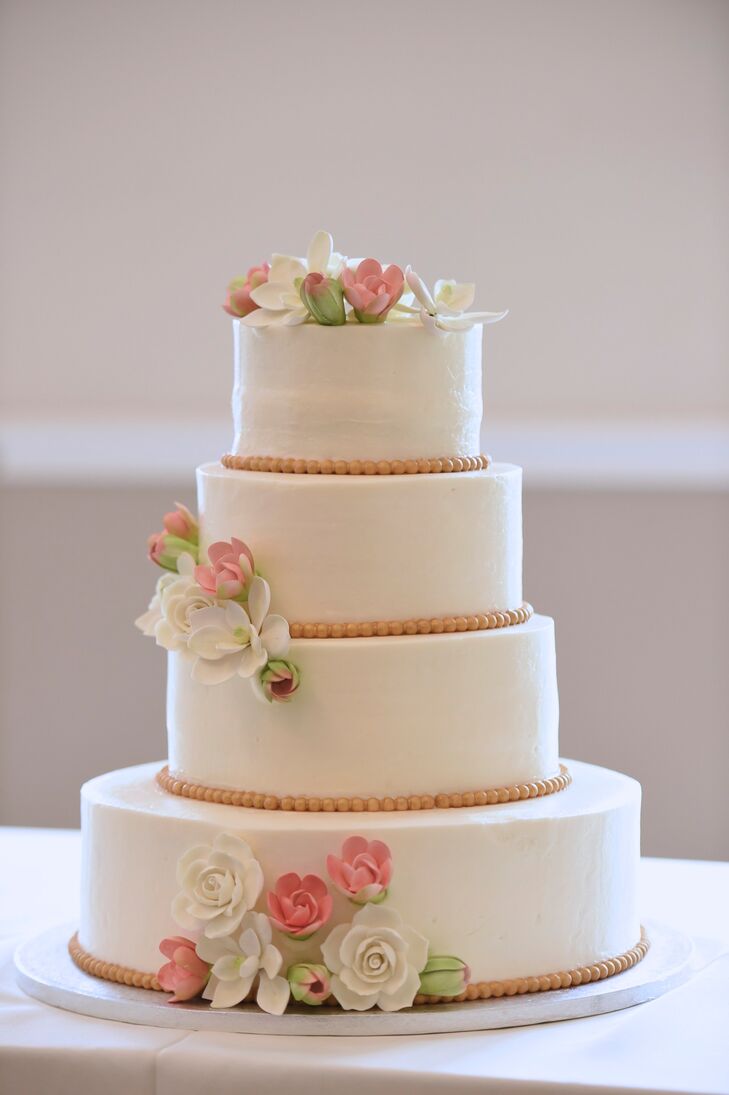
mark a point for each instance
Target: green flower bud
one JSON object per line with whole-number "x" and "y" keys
{"x": 310, "y": 984}
{"x": 444, "y": 975}
{"x": 323, "y": 298}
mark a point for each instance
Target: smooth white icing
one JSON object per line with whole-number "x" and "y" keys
{"x": 420, "y": 714}
{"x": 348, "y": 548}
{"x": 521, "y": 889}
{"x": 357, "y": 392}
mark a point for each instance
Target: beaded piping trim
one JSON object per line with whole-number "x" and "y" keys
{"x": 291, "y": 466}
{"x": 318, "y": 804}
{"x": 484, "y": 621}
{"x": 481, "y": 990}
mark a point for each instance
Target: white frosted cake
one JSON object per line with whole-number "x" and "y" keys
{"x": 363, "y": 803}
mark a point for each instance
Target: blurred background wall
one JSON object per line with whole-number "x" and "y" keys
{"x": 569, "y": 156}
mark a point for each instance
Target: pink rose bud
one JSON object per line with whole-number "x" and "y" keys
{"x": 280, "y": 680}
{"x": 310, "y": 984}
{"x": 230, "y": 571}
{"x": 179, "y": 536}
{"x": 181, "y": 523}
{"x": 364, "y": 871}
{"x": 323, "y": 299}
{"x": 185, "y": 974}
{"x": 238, "y": 301}
{"x": 299, "y": 906}
{"x": 371, "y": 290}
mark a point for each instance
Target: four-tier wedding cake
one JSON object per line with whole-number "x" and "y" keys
{"x": 363, "y": 804}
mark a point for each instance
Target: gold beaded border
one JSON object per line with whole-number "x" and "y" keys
{"x": 481, "y": 990}
{"x": 253, "y": 800}
{"x": 292, "y": 466}
{"x": 482, "y": 621}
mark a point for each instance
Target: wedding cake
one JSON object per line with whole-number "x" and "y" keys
{"x": 363, "y": 803}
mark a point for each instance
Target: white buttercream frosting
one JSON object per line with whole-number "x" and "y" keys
{"x": 515, "y": 890}
{"x": 357, "y": 392}
{"x": 420, "y": 714}
{"x": 340, "y": 548}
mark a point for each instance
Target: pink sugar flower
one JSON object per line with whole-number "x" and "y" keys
{"x": 230, "y": 571}
{"x": 371, "y": 290}
{"x": 238, "y": 302}
{"x": 185, "y": 974}
{"x": 310, "y": 983}
{"x": 299, "y": 906}
{"x": 179, "y": 535}
{"x": 364, "y": 871}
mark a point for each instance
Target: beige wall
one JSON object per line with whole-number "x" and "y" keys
{"x": 571, "y": 156}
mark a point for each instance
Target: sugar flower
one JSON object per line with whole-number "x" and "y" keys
{"x": 364, "y": 870}
{"x": 310, "y": 983}
{"x": 237, "y": 961}
{"x": 299, "y": 906}
{"x": 229, "y": 641}
{"x": 323, "y": 299}
{"x": 179, "y": 535}
{"x": 375, "y": 961}
{"x": 238, "y": 301}
{"x": 371, "y": 290}
{"x": 229, "y": 572}
{"x": 279, "y": 300}
{"x": 444, "y": 975}
{"x": 185, "y": 974}
{"x": 278, "y": 681}
{"x": 219, "y": 883}
{"x": 445, "y": 310}
{"x": 177, "y": 597}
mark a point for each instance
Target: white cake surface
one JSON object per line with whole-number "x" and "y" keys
{"x": 520, "y": 889}
{"x": 348, "y": 548}
{"x": 356, "y": 392}
{"x": 421, "y": 714}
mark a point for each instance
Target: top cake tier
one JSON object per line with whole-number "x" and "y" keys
{"x": 356, "y": 392}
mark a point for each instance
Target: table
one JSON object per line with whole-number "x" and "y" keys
{"x": 678, "y": 1043}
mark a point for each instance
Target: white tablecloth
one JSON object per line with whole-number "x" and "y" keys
{"x": 678, "y": 1043}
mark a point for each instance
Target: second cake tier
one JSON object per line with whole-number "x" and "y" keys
{"x": 413, "y": 715}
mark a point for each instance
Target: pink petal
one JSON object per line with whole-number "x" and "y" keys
{"x": 379, "y": 851}
{"x": 367, "y": 268}
{"x": 314, "y": 885}
{"x": 288, "y": 884}
{"x": 353, "y": 846}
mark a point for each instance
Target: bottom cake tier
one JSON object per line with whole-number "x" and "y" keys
{"x": 515, "y": 890}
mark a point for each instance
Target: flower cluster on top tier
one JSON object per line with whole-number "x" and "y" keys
{"x": 372, "y": 960}
{"x": 217, "y": 611}
{"x": 329, "y": 289}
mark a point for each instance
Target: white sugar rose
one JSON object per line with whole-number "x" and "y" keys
{"x": 170, "y": 611}
{"x": 236, "y": 962}
{"x": 375, "y": 961}
{"x": 219, "y": 884}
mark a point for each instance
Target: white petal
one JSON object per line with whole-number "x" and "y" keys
{"x": 417, "y": 947}
{"x": 275, "y": 636}
{"x": 285, "y": 269}
{"x": 273, "y": 994}
{"x": 420, "y": 289}
{"x": 236, "y": 616}
{"x": 378, "y": 916}
{"x": 186, "y": 565}
{"x": 180, "y": 914}
{"x": 250, "y": 661}
{"x": 458, "y": 296}
{"x": 227, "y": 968}
{"x": 234, "y": 846}
{"x": 229, "y": 993}
{"x": 319, "y": 253}
{"x": 250, "y": 944}
{"x": 430, "y": 323}
{"x": 271, "y": 960}
{"x": 269, "y": 295}
{"x": 215, "y": 672}
{"x": 349, "y": 1000}
{"x": 259, "y": 601}
{"x": 262, "y": 927}
{"x": 211, "y": 950}
{"x": 261, "y": 317}
{"x": 404, "y": 995}
{"x": 331, "y": 946}
{"x": 294, "y": 318}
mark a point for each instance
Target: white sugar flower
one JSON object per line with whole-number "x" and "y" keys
{"x": 237, "y": 962}
{"x": 219, "y": 884}
{"x": 446, "y": 307}
{"x": 177, "y": 597}
{"x": 278, "y": 299}
{"x": 229, "y": 641}
{"x": 375, "y": 961}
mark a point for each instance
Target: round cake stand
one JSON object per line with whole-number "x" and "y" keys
{"x": 46, "y": 971}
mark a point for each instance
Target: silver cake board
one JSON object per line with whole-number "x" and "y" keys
{"x": 46, "y": 971}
